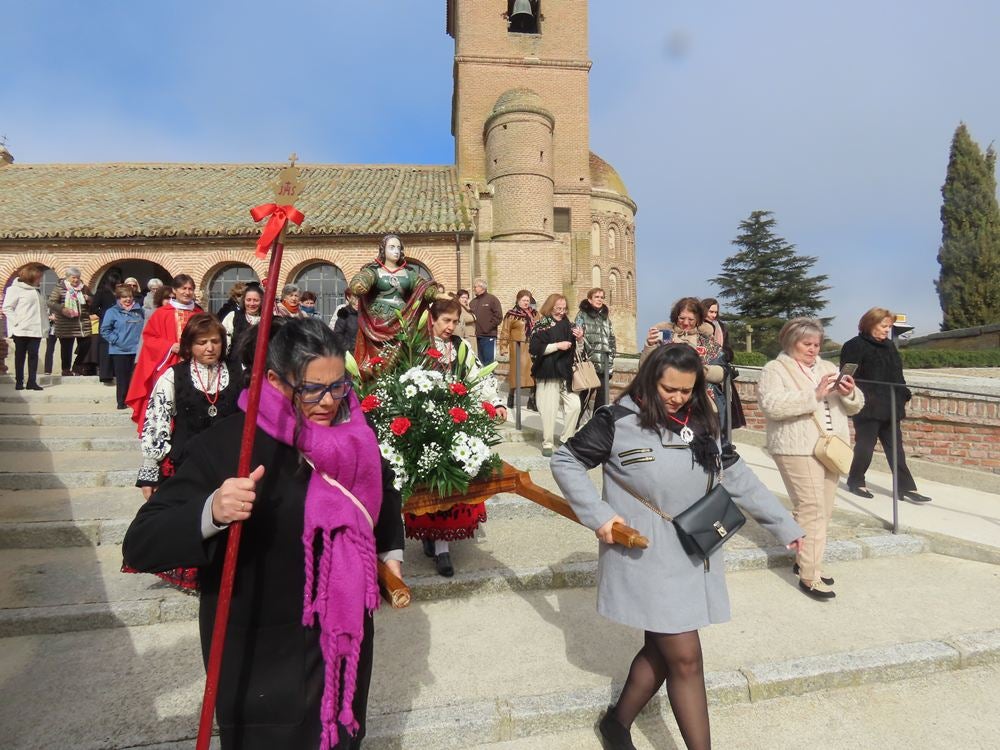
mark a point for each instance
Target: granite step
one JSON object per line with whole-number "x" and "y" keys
{"x": 81, "y": 405}
{"x": 81, "y": 587}
{"x": 39, "y": 470}
{"x": 463, "y": 672}
{"x": 95, "y": 418}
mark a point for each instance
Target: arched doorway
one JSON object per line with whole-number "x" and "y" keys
{"x": 141, "y": 270}
{"x": 224, "y": 280}
{"x": 327, "y": 282}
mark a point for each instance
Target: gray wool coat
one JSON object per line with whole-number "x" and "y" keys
{"x": 661, "y": 589}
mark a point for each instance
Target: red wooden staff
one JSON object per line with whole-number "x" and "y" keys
{"x": 280, "y": 213}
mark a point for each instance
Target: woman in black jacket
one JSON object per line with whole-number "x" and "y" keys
{"x": 345, "y": 324}
{"x": 877, "y": 359}
{"x": 551, "y": 350}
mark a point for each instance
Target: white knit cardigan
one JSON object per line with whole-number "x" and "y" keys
{"x": 787, "y": 397}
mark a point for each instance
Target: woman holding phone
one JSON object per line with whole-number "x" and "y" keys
{"x": 803, "y": 399}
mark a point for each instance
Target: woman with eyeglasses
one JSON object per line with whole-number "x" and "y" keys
{"x": 317, "y": 510}
{"x": 460, "y": 521}
{"x": 187, "y": 399}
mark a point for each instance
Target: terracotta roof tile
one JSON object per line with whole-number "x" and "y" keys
{"x": 41, "y": 201}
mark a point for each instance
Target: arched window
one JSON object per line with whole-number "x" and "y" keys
{"x": 612, "y": 241}
{"x": 328, "y": 283}
{"x": 49, "y": 280}
{"x": 595, "y": 276}
{"x": 523, "y": 16}
{"x": 595, "y": 239}
{"x": 222, "y": 283}
{"x": 613, "y": 291}
{"x": 629, "y": 288}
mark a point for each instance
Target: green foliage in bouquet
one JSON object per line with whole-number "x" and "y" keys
{"x": 433, "y": 425}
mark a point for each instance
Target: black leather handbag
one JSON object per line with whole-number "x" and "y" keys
{"x": 707, "y": 524}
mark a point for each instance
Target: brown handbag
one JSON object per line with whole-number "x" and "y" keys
{"x": 584, "y": 373}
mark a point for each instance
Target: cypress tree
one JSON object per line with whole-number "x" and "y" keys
{"x": 969, "y": 284}
{"x": 767, "y": 282}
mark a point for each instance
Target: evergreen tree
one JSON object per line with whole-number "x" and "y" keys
{"x": 969, "y": 284}
{"x": 766, "y": 282}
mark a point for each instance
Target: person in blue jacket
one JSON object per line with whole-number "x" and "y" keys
{"x": 122, "y": 329}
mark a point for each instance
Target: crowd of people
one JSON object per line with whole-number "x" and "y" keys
{"x": 322, "y": 496}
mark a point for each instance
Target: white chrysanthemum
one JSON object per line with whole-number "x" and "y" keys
{"x": 410, "y": 391}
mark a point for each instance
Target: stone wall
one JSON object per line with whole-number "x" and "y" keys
{"x": 966, "y": 339}
{"x": 941, "y": 427}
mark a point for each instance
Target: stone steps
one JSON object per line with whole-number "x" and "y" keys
{"x": 455, "y": 673}
{"x": 113, "y": 418}
{"x": 39, "y": 470}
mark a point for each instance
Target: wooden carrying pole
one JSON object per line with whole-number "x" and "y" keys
{"x": 286, "y": 189}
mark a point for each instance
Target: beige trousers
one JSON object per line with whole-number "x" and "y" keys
{"x": 548, "y": 395}
{"x": 812, "y": 488}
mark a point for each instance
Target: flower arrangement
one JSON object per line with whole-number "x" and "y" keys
{"x": 435, "y": 424}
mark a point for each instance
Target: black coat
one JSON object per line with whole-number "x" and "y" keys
{"x": 272, "y": 669}
{"x": 876, "y": 360}
{"x": 345, "y": 330}
{"x": 557, "y": 365}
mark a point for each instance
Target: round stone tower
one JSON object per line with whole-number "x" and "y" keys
{"x": 519, "y": 168}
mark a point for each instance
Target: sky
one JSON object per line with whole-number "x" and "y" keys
{"x": 837, "y": 117}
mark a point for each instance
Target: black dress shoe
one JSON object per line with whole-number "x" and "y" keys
{"x": 816, "y": 591}
{"x": 18, "y": 386}
{"x": 860, "y": 492}
{"x": 35, "y": 387}
{"x": 915, "y": 497}
{"x": 614, "y": 736}
{"x": 428, "y": 547}
{"x": 824, "y": 579}
{"x": 443, "y": 564}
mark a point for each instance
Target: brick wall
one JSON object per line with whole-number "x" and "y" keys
{"x": 945, "y": 428}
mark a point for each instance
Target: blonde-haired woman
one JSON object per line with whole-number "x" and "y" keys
{"x": 551, "y": 347}
{"x": 802, "y": 399}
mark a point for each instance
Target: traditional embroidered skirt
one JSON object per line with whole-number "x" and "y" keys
{"x": 459, "y": 522}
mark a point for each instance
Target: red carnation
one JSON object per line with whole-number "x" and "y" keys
{"x": 490, "y": 409}
{"x": 433, "y": 353}
{"x": 459, "y": 389}
{"x": 458, "y": 415}
{"x": 368, "y": 403}
{"x": 700, "y": 350}
{"x": 375, "y": 361}
{"x": 399, "y": 426}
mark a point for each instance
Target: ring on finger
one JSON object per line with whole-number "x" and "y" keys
{"x": 243, "y": 507}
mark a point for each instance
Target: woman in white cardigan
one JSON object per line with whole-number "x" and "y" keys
{"x": 799, "y": 392}
{"x": 27, "y": 321}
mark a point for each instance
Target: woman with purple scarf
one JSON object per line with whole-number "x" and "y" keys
{"x": 318, "y": 512}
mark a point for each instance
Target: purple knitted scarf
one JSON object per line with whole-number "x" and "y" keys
{"x": 343, "y": 500}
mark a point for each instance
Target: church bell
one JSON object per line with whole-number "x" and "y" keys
{"x": 522, "y": 8}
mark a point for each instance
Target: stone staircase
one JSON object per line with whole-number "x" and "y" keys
{"x": 511, "y": 647}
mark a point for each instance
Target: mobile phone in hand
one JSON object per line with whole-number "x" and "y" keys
{"x": 848, "y": 368}
{"x": 666, "y": 335}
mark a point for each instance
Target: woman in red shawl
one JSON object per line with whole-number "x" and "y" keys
{"x": 161, "y": 344}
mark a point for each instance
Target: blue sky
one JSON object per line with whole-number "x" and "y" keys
{"x": 836, "y": 116}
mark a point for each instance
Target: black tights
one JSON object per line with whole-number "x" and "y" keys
{"x": 676, "y": 658}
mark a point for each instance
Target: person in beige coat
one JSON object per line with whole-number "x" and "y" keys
{"x": 797, "y": 393}
{"x": 515, "y": 330}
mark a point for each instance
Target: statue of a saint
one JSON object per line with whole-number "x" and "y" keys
{"x": 384, "y": 288}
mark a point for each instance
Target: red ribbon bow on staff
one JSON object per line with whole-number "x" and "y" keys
{"x": 280, "y": 215}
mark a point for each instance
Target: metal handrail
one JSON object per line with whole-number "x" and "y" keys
{"x": 892, "y": 416}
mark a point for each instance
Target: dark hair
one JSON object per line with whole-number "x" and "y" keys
{"x": 707, "y": 303}
{"x": 161, "y": 294}
{"x": 441, "y": 306}
{"x": 460, "y": 292}
{"x": 200, "y": 325}
{"x": 384, "y": 241}
{"x": 180, "y": 280}
{"x": 30, "y": 273}
{"x": 523, "y": 293}
{"x": 644, "y": 390}
{"x": 112, "y": 278}
{"x": 691, "y": 304}
{"x": 296, "y": 343}
{"x": 307, "y": 296}
{"x": 255, "y": 288}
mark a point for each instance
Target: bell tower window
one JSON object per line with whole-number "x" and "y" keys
{"x": 523, "y": 16}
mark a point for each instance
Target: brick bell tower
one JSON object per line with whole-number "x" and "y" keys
{"x": 520, "y": 121}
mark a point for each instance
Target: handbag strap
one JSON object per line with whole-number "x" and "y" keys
{"x": 819, "y": 425}
{"x": 657, "y": 511}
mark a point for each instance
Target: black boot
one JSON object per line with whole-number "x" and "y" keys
{"x": 614, "y": 735}
{"x": 510, "y": 400}
{"x": 428, "y": 546}
{"x": 18, "y": 386}
{"x": 531, "y": 401}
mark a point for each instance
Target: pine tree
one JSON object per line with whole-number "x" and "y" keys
{"x": 766, "y": 282}
{"x": 969, "y": 284}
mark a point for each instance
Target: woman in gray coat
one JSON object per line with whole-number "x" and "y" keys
{"x": 660, "y": 441}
